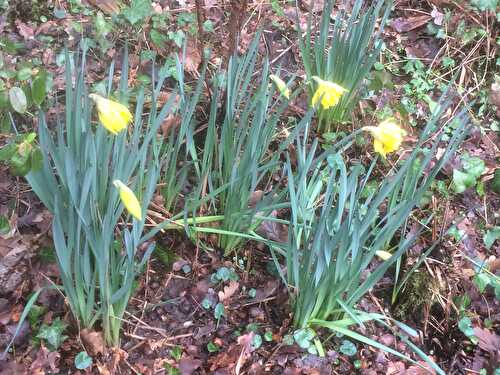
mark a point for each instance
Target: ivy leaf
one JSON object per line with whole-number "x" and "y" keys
{"x": 495, "y": 183}
{"x": 208, "y": 26}
{"x": 40, "y": 86}
{"x": 268, "y": 336}
{"x": 303, "y": 337}
{"x": 348, "y": 348}
{"x": 256, "y": 342}
{"x": 53, "y": 334}
{"x": 219, "y": 311}
{"x": 8, "y": 151}
{"x": 24, "y": 74}
{"x": 158, "y": 38}
{"x": 473, "y": 165}
{"x": 484, "y": 5}
{"x": 224, "y": 274}
{"x": 18, "y": 99}
{"x": 4, "y": 98}
{"x": 137, "y": 11}
{"x": 462, "y": 181}
{"x": 212, "y": 347}
{"x": 177, "y": 37}
{"x": 465, "y": 325}
{"x": 491, "y": 236}
{"x": 481, "y": 280}
{"x": 83, "y": 361}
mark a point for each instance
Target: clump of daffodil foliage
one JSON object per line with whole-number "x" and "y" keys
{"x": 338, "y": 53}
{"x": 337, "y": 227}
{"x": 91, "y": 172}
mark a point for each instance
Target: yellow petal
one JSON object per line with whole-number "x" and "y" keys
{"x": 113, "y": 116}
{"x": 129, "y": 199}
{"x": 387, "y": 136}
{"x": 281, "y": 85}
{"x": 379, "y": 147}
{"x": 329, "y": 93}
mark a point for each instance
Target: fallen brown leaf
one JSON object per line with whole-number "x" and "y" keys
{"x": 488, "y": 341}
{"x": 170, "y": 123}
{"x": 24, "y": 30}
{"x": 107, "y": 6}
{"x": 118, "y": 355}
{"x": 188, "y": 365}
{"x": 94, "y": 341}
{"x": 193, "y": 58}
{"x": 103, "y": 369}
{"x": 229, "y": 291}
{"x": 246, "y": 349}
{"x": 272, "y": 230}
{"x": 45, "y": 361}
{"x": 403, "y": 25}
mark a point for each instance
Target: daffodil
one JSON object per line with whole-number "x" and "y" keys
{"x": 282, "y": 88}
{"x": 387, "y": 136}
{"x": 328, "y": 92}
{"x": 129, "y": 199}
{"x": 113, "y": 116}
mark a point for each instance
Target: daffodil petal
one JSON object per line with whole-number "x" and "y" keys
{"x": 281, "y": 85}
{"x": 114, "y": 116}
{"x": 387, "y": 136}
{"x": 330, "y": 93}
{"x": 129, "y": 199}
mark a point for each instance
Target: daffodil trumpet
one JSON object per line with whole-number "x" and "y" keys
{"x": 387, "y": 136}
{"x": 327, "y": 93}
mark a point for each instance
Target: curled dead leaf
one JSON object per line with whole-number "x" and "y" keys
{"x": 272, "y": 230}
{"x": 193, "y": 58}
{"x": 103, "y": 369}
{"x": 246, "y": 349}
{"x": 118, "y": 356}
{"x": 170, "y": 123}
{"x": 93, "y": 341}
{"x": 229, "y": 291}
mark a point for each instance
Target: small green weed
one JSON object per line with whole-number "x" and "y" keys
{"x": 22, "y": 154}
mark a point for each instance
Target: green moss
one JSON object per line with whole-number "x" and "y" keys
{"x": 418, "y": 293}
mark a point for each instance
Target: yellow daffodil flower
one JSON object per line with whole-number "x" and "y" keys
{"x": 113, "y": 116}
{"x": 282, "y": 88}
{"x": 328, "y": 92}
{"x": 387, "y": 136}
{"x": 129, "y": 199}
